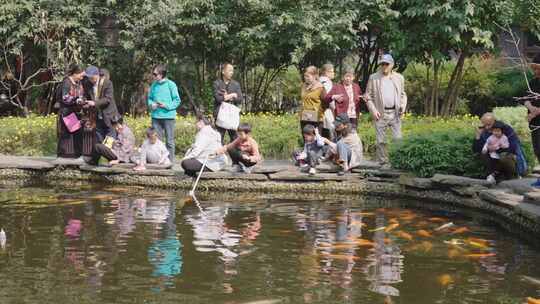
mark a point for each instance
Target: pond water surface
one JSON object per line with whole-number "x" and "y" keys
{"x": 125, "y": 245}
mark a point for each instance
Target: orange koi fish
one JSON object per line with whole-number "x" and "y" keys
{"x": 387, "y": 241}
{"x": 364, "y": 243}
{"x": 323, "y": 222}
{"x": 445, "y": 279}
{"x": 391, "y": 227}
{"x": 437, "y": 219}
{"x": 364, "y": 213}
{"x": 424, "y": 233}
{"x": 461, "y": 230}
{"x": 479, "y": 255}
{"x": 478, "y": 241}
{"x": 393, "y": 220}
{"x": 533, "y": 300}
{"x": 342, "y": 257}
{"x": 453, "y": 253}
{"x": 404, "y": 235}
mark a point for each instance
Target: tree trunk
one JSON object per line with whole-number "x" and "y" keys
{"x": 452, "y": 92}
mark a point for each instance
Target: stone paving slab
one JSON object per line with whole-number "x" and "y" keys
{"x": 415, "y": 182}
{"x": 501, "y": 197}
{"x": 126, "y": 170}
{"x": 520, "y": 186}
{"x": 9, "y": 162}
{"x": 458, "y": 181}
{"x": 532, "y": 197}
{"x": 297, "y": 176}
{"x": 231, "y": 175}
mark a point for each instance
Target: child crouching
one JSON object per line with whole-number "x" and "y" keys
{"x": 244, "y": 150}
{"x": 314, "y": 150}
{"x": 152, "y": 151}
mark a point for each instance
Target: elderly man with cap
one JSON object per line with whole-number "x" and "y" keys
{"x": 99, "y": 92}
{"x": 346, "y": 151}
{"x": 510, "y": 164}
{"x": 386, "y": 100}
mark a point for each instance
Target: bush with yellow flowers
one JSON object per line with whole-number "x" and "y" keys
{"x": 430, "y": 144}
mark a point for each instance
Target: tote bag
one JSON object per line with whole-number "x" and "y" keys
{"x": 228, "y": 116}
{"x": 72, "y": 122}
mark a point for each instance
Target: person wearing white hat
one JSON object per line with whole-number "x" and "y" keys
{"x": 386, "y": 100}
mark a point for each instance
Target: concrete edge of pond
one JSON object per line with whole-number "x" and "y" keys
{"x": 515, "y": 203}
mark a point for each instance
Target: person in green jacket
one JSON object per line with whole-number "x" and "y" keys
{"x": 163, "y": 99}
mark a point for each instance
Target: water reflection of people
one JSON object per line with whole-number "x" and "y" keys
{"x": 165, "y": 251}
{"x": 386, "y": 264}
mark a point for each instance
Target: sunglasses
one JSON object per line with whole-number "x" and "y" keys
{"x": 155, "y": 74}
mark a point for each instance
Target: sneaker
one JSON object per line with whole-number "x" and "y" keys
{"x": 245, "y": 168}
{"x": 536, "y": 183}
{"x": 236, "y": 168}
{"x": 312, "y": 171}
{"x": 491, "y": 179}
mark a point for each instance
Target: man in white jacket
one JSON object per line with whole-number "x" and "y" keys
{"x": 387, "y": 101}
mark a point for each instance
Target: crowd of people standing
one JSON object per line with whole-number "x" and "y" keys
{"x": 90, "y": 125}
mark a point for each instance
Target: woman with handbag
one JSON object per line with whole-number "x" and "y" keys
{"x": 312, "y": 96}
{"x": 70, "y": 98}
{"x": 227, "y": 101}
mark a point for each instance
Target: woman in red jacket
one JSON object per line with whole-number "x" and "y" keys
{"x": 347, "y": 96}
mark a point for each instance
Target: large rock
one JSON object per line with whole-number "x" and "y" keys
{"x": 529, "y": 211}
{"x": 501, "y": 197}
{"x": 468, "y": 191}
{"x": 458, "y": 181}
{"x": 520, "y": 186}
{"x": 532, "y": 197}
{"x": 415, "y": 182}
{"x": 383, "y": 173}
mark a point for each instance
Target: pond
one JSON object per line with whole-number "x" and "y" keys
{"x": 130, "y": 245}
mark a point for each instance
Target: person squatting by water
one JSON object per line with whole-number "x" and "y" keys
{"x": 243, "y": 151}
{"x": 152, "y": 151}
{"x": 207, "y": 142}
{"x": 498, "y": 165}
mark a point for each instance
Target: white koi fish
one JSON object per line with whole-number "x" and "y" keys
{"x": 445, "y": 226}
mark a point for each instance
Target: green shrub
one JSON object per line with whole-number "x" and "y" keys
{"x": 445, "y": 145}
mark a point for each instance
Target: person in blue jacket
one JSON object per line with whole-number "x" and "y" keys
{"x": 515, "y": 157}
{"x": 163, "y": 100}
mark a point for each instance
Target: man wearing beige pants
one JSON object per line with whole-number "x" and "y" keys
{"x": 386, "y": 100}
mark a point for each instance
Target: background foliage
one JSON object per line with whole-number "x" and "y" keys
{"x": 269, "y": 42}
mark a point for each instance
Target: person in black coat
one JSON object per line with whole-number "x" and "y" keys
{"x": 99, "y": 88}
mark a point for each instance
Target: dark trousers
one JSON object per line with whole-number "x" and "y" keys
{"x": 102, "y": 131}
{"x": 102, "y": 150}
{"x": 237, "y": 157}
{"x": 354, "y": 124}
{"x": 535, "y": 137}
{"x": 503, "y": 168}
{"x": 192, "y": 166}
{"x": 232, "y": 134}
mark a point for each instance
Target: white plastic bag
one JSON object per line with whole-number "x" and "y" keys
{"x": 228, "y": 116}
